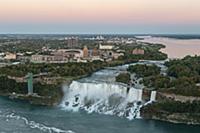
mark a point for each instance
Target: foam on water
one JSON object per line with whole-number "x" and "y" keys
{"x": 32, "y": 124}
{"x": 103, "y": 98}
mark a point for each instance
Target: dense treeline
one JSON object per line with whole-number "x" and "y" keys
{"x": 144, "y": 70}
{"x": 123, "y": 78}
{"x": 68, "y": 69}
{"x": 151, "y": 76}
{"x": 9, "y": 86}
{"x": 182, "y": 76}
{"x": 187, "y": 67}
{"x": 35, "y": 45}
{"x": 152, "y": 52}
{"x": 186, "y": 75}
{"x": 182, "y": 79}
{"x": 24, "y": 45}
{"x": 157, "y": 82}
{"x": 181, "y": 86}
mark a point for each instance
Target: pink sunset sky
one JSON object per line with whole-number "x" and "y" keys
{"x": 57, "y": 15}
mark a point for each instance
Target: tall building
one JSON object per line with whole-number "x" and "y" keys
{"x": 85, "y": 52}
{"x": 95, "y": 52}
{"x": 72, "y": 42}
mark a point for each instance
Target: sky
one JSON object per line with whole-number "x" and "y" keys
{"x": 100, "y": 16}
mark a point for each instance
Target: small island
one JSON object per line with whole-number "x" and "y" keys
{"x": 177, "y": 87}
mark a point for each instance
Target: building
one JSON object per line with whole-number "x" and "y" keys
{"x": 41, "y": 58}
{"x": 95, "y": 52}
{"x": 106, "y": 54}
{"x": 10, "y": 56}
{"x": 48, "y": 59}
{"x": 70, "y": 53}
{"x": 59, "y": 56}
{"x": 105, "y": 47}
{"x": 85, "y": 52}
{"x": 117, "y": 55}
{"x": 96, "y": 58}
{"x": 72, "y": 42}
{"x": 138, "y": 51}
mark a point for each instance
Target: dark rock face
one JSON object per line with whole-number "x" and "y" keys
{"x": 173, "y": 108}
{"x": 185, "y": 118}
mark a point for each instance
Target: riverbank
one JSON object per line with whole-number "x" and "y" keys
{"x": 173, "y": 108}
{"x": 44, "y": 94}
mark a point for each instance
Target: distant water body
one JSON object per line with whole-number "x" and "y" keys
{"x": 176, "y": 48}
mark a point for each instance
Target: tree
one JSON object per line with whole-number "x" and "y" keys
{"x": 123, "y": 78}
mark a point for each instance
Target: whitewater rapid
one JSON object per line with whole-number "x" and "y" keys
{"x": 100, "y": 93}
{"x": 103, "y": 98}
{"x": 11, "y": 117}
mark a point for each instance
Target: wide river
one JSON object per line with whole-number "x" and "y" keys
{"x": 21, "y": 117}
{"x": 176, "y": 48}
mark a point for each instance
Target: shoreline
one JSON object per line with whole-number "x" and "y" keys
{"x": 171, "y": 118}
{"x": 172, "y": 45}
{"x": 37, "y": 101}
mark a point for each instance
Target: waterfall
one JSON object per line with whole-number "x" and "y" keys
{"x": 153, "y": 96}
{"x": 103, "y": 98}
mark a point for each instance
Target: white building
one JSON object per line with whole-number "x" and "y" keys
{"x": 10, "y": 56}
{"x": 106, "y": 47}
